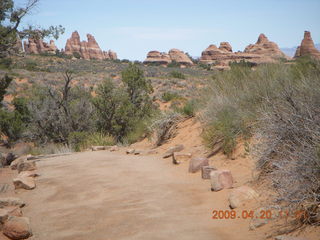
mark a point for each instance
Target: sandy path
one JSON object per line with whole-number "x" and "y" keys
{"x": 103, "y": 195}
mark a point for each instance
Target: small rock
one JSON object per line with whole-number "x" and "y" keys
{"x": 178, "y": 157}
{"x": 17, "y": 228}
{"x": 137, "y": 152}
{"x": 98, "y": 148}
{"x": 28, "y": 174}
{"x": 130, "y": 151}
{"x": 221, "y": 179}
{"x": 26, "y": 166}
{"x": 289, "y": 238}
{"x": 152, "y": 151}
{"x": 241, "y": 194}
{"x": 197, "y": 163}
{"x": 206, "y": 170}
{"x": 171, "y": 150}
{"x": 14, "y": 211}
{"x": 113, "y": 148}
{"x": 27, "y": 183}
{"x": 11, "y": 201}
{"x": 15, "y": 163}
{"x": 4, "y": 215}
{"x": 10, "y": 158}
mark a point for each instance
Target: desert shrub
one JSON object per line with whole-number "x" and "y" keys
{"x": 188, "y": 109}
{"x": 11, "y": 124}
{"x": 278, "y": 104}
{"x": 31, "y": 65}
{"x": 165, "y": 126}
{"x": 82, "y": 140}
{"x": 4, "y": 84}
{"x": 5, "y": 63}
{"x": 120, "y": 110}
{"x": 50, "y": 148}
{"x": 173, "y": 64}
{"x": 205, "y": 66}
{"x": 56, "y": 112}
{"x": 169, "y": 96}
{"x": 176, "y": 74}
{"x": 76, "y": 55}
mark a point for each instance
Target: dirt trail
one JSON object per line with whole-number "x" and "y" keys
{"x": 103, "y": 195}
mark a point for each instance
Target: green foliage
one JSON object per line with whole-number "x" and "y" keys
{"x": 31, "y": 66}
{"x": 4, "y": 84}
{"x": 5, "y": 63}
{"x": 188, "y": 109}
{"x": 80, "y": 141}
{"x": 169, "y": 96}
{"x": 176, "y": 74}
{"x": 204, "y": 66}
{"x": 76, "y": 55}
{"x": 11, "y": 124}
{"x": 173, "y": 64}
{"x": 119, "y": 110}
{"x": 10, "y": 19}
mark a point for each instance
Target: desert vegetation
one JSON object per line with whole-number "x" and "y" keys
{"x": 276, "y": 108}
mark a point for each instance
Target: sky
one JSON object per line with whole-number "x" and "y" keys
{"x": 132, "y": 28}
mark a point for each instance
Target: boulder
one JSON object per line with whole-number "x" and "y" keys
{"x": 14, "y": 211}
{"x": 17, "y": 228}
{"x": 178, "y": 157}
{"x": 221, "y": 179}
{"x": 240, "y": 195}
{"x": 11, "y": 201}
{"x": 206, "y": 170}
{"x": 307, "y": 47}
{"x": 171, "y": 150}
{"x": 197, "y": 163}
{"x": 130, "y": 151}
{"x": 22, "y": 182}
{"x": 113, "y": 148}
{"x": 7, "y": 159}
{"x": 98, "y": 148}
{"x": 4, "y": 215}
{"x": 28, "y": 174}
{"x": 289, "y": 238}
{"x": 26, "y": 166}
{"x": 14, "y": 164}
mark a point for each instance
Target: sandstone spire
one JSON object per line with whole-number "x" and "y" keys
{"x": 307, "y": 47}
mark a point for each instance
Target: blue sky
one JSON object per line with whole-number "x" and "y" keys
{"x": 134, "y": 27}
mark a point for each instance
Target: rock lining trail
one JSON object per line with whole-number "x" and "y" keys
{"x": 110, "y": 195}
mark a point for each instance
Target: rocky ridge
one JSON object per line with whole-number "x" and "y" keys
{"x": 174, "y": 55}
{"x": 263, "y": 51}
{"x": 87, "y": 49}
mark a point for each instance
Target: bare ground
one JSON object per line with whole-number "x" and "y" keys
{"x": 103, "y": 195}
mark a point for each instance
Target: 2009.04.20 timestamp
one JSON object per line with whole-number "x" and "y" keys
{"x": 251, "y": 214}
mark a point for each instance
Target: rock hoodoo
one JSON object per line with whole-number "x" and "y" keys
{"x": 265, "y": 47}
{"x": 174, "y": 55}
{"x": 263, "y": 51}
{"x": 307, "y": 47}
{"x": 36, "y": 46}
{"x": 87, "y": 49}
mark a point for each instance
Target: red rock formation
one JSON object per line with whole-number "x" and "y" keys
{"x": 165, "y": 58}
{"x": 225, "y": 46}
{"x": 264, "y": 51}
{"x": 180, "y": 57}
{"x": 307, "y": 47}
{"x": 36, "y": 46}
{"x": 265, "y": 47}
{"x": 86, "y": 49}
{"x": 158, "y": 58}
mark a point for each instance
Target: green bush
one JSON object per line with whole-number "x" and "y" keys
{"x": 5, "y": 63}
{"x": 176, "y": 74}
{"x": 173, "y": 64}
{"x": 80, "y": 141}
{"x": 76, "y": 55}
{"x": 188, "y": 109}
{"x": 169, "y": 96}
